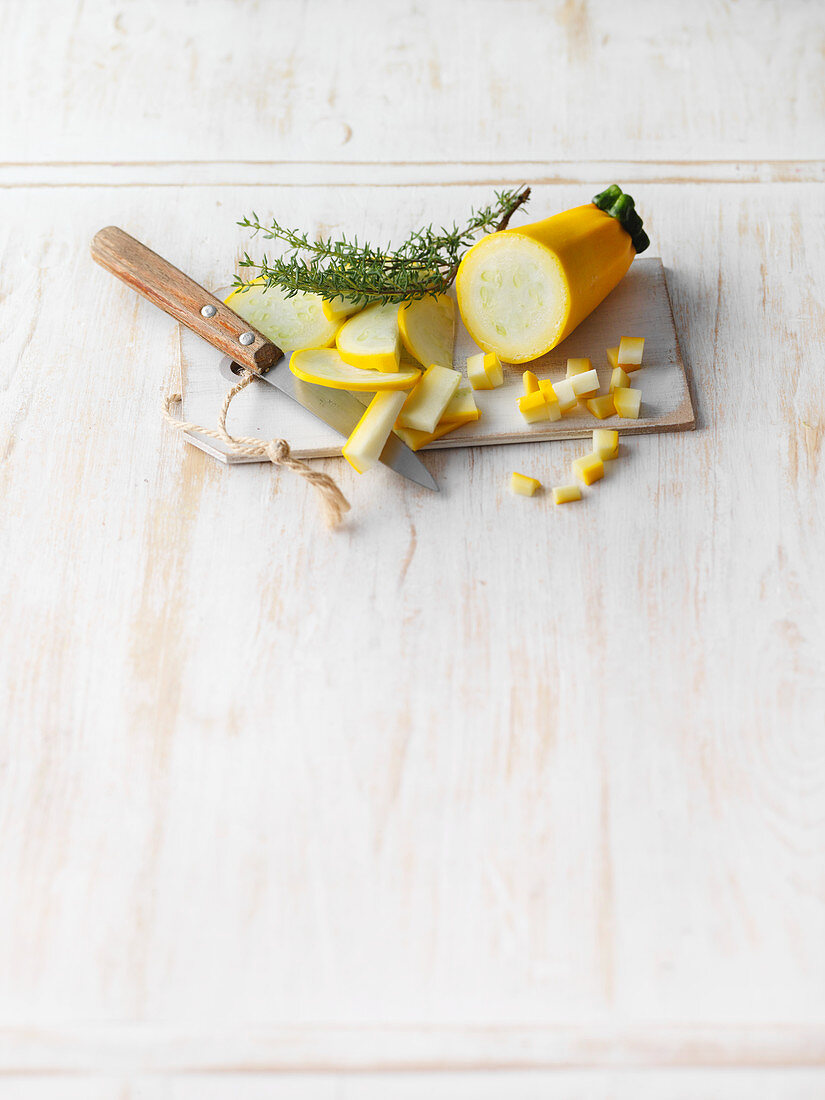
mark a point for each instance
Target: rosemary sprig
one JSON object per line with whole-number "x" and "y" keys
{"x": 425, "y": 263}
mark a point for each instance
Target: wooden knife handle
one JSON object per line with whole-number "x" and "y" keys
{"x": 182, "y": 298}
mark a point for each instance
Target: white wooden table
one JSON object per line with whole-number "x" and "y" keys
{"x": 477, "y": 798}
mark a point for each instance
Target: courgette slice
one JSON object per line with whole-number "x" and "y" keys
{"x": 428, "y": 328}
{"x": 371, "y": 338}
{"x": 363, "y": 448}
{"x": 292, "y": 323}
{"x": 325, "y": 367}
{"x": 338, "y": 309}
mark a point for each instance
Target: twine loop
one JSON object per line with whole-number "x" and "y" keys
{"x": 276, "y": 450}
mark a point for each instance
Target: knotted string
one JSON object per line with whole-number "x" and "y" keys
{"x": 276, "y": 450}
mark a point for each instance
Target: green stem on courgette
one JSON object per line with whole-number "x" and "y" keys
{"x": 621, "y": 207}
{"x": 424, "y": 264}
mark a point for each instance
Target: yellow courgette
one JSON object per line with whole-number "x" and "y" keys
{"x": 523, "y": 290}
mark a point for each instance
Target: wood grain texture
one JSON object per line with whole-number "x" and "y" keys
{"x": 476, "y": 778}
{"x": 517, "y": 79}
{"x": 242, "y": 826}
{"x": 798, "y": 1084}
{"x": 142, "y": 1049}
{"x": 402, "y": 175}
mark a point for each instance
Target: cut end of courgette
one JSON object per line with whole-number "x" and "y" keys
{"x": 622, "y": 207}
{"x": 513, "y": 297}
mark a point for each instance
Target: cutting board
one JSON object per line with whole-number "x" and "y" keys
{"x": 639, "y": 306}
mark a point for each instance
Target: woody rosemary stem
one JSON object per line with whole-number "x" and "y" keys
{"x": 521, "y": 198}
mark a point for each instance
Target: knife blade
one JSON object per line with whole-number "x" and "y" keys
{"x": 341, "y": 411}
{"x": 208, "y": 317}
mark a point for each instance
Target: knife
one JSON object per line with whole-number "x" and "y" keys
{"x": 207, "y": 316}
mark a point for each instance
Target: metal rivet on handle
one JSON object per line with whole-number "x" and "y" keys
{"x": 208, "y": 311}
{"x": 246, "y": 338}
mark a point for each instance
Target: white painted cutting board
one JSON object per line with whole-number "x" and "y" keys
{"x": 639, "y": 306}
